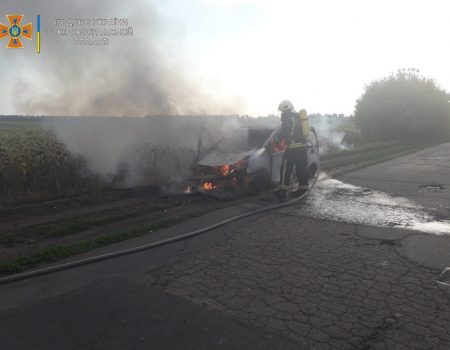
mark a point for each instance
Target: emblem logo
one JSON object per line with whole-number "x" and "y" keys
{"x": 15, "y": 31}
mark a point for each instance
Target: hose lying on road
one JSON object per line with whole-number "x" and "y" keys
{"x": 93, "y": 259}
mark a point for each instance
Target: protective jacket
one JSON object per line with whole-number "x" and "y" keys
{"x": 294, "y": 129}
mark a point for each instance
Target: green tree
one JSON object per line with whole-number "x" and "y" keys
{"x": 404, "y": 106}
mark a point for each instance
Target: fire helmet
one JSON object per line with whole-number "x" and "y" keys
{"x": 286, "y": 106}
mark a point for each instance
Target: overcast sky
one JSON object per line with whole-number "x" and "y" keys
{"x": 251, "y": 54}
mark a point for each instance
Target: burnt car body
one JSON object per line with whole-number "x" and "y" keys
{"x": 248, "y": 160}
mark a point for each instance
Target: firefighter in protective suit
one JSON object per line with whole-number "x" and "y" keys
{"x": 294, "y": 131}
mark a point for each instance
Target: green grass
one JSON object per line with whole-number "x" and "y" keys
{"x": 355, "y": 160}
{"x": 59, "y": 252}
{"x": 71, "y": 226}
{"x": 60, "y": 229}
{"x": 19, "y": 124}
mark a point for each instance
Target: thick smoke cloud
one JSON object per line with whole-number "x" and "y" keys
{"x": 139, "y": 75}
{"x": 166, "y": 144}
{"x": 133, "y": 76}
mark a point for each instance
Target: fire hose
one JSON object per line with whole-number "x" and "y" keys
{"x": 116, "y": 254}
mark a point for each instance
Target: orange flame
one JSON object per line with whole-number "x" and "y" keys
{"x": 225, "y": 170}
{"x": 208, "y": 186}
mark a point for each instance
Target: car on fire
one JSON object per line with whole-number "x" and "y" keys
{"x": 249, "y": 160}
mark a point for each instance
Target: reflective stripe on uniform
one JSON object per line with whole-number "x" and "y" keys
{"x": 293, "y": 187}
{"x": 297, "y": 145}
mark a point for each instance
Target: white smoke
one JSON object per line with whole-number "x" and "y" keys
{"x": 139, "y": 151}
{"x": 330, "y": 138}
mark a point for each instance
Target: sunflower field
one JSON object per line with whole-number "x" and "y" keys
{"x": 35, "y": 164}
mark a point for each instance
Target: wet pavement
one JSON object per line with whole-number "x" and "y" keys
{"x": 423, "y": 177}
{"x": 355, "y": 266}
{"x": 342, "y": 202}
{"x": 344, "y": 269}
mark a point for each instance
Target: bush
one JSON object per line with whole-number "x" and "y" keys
{"x": 352, "y": 134}
{"x": 404, "y": 106}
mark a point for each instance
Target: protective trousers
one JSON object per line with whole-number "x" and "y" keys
{"x": 294, "y": 158}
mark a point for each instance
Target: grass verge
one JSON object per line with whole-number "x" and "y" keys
{"x": 341, "y": 164}
{"x": 59, "y": 252}
{"x": 71, "y": 226}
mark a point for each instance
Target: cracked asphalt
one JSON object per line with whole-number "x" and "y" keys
{"x": 281, "y": 280}
{"x": 319, "y": 283}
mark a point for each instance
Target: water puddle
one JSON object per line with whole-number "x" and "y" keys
{"x": 431, "y": 188}
{"x": 334, "y": 200}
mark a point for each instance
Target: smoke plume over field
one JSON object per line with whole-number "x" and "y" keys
{"x": 140, "y": 151}
{"x": 134, "y": 76}
{"x": 137, "y": 75}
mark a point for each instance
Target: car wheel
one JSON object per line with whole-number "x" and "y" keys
{"x": 260, "y": 181}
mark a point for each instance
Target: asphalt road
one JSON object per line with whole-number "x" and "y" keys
{"x": 288, "y": 279}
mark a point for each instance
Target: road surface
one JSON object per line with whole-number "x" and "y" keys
{"x": 343, "y": 270}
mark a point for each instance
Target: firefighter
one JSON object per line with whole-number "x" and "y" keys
{"x": 294, "y": 131}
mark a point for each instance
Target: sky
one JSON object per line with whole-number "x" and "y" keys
{"x": 231, "y": 56}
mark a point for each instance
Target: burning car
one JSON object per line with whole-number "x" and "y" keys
{"x": 249, "y": 160}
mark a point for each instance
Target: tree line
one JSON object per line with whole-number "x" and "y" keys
{"x": 404, "y": 106}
